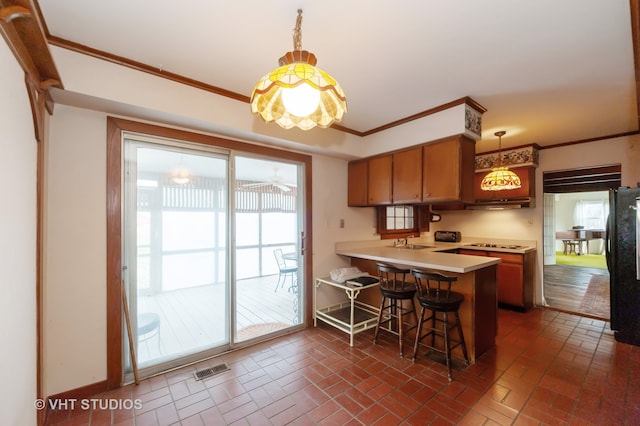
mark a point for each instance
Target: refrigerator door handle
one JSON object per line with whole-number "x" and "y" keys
{"x": 607, "y": 243}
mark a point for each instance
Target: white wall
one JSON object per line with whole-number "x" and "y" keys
{"x": 18, "y": 162}
{"x": 329, "y": 206}
{"x": 75, "y": 268}
{"x": 97, "y": 84}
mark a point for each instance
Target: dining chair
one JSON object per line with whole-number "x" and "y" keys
{"x": 285, "y": 271}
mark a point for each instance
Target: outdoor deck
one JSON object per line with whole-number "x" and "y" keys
{"x": 194, "y": 319}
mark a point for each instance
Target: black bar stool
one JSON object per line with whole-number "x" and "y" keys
{"x": 435, "y": 295}
{"x": 395, "y": 290}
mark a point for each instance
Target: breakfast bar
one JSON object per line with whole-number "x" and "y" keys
{"x": 476, "y": 281}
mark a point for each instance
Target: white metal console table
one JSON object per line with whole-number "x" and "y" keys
{"x": 350, "y": 316}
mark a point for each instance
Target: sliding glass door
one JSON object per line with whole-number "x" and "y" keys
{"x": 267, "y": 247}
{"x": 176, "y": 251}
{"x": 211, "y": 251}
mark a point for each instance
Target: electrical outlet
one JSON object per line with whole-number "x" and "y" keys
{"x": 341, "y": 223}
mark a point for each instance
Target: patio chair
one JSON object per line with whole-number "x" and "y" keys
{"x": 285, "y": 270}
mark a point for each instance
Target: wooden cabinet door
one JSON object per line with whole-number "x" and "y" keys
{"x": 527, "y": 180}
{"x": 357, "y": 183}
{"x": 510, "y": 278}
{"x": 407, "y": 176}
{"x": 448, "y": 168}
{"x": 510, "y": 284}
{"x": 379, "y": 181}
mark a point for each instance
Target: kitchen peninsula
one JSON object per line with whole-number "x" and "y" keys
{"x": 476, "y": 280}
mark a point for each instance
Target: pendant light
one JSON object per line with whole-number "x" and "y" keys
{"x": 181, "y": 175}
{"x": 297, "y": 94}
{"x": 500, "y": 178}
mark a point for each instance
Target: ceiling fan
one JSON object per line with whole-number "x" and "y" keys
{"x": 275, "y": 180}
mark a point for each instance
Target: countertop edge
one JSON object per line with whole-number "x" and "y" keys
{"x": 453, "y": 264}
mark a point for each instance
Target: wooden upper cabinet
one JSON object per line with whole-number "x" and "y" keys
{"x": 448, "y": 170}
{"x": 379, "y": 180}
{"x": 527, "y": 190}
{"x": 357, "y": 189}
{"x": 407, "y": 176}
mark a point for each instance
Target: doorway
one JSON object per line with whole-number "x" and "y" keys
{"x": 576, "y": 278}
{"x": 200, "y": 228}
{"x": 575, "y": 275}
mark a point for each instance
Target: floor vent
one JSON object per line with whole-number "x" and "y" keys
{"x": 212, "y": 371}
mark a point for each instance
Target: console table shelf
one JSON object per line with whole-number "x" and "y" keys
{"x": 350, "y": 315}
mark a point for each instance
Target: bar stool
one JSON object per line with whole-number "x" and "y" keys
{"x": 435, "y": 295}
{"x": 395, "y": 290}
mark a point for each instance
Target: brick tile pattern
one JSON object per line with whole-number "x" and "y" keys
{"x": 548, "y": 367}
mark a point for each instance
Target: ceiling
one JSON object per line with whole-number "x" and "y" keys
{"x": 547, "y": 71}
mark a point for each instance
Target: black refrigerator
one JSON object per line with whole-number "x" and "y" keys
{"x": 623, "y": 261}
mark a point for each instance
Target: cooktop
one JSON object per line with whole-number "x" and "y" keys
{"x": 491, "y": 245}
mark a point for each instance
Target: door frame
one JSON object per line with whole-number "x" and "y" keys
{"x": 115, "y": 129}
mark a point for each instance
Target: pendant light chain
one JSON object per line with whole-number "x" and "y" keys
{"x": 500, "y": 134}
{"x": 297, "y": 32}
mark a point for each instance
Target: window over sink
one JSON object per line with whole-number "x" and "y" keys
{"x": 400, "y": 221}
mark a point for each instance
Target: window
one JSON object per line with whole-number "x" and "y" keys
{"x": 591, "y": 214}
{"x": 402, "y": 221}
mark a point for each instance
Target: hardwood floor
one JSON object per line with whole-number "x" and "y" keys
{"x": 565, "y": 286}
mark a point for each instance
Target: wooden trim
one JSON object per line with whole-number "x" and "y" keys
{"x": 419, "y": 215}
{"x": 21, "y": 27}
{"x": 139, "y": 66}
{"x": 597, "y": 178}
{"x": 114, "y": 249}
{"x": 581, "y": 141}
{"x": 431, "y": 111}
{"x": 115, "y": 127}
{"x": 40, "y": 202}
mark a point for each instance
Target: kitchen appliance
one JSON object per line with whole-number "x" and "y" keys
{"x": 623, "y": 261}
{"x": 447, "y": 236}
{"x": 503, "y": 204}
{"x": 492, "y": 245}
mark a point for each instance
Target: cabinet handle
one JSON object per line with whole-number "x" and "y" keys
{"x": 427, "y": 194}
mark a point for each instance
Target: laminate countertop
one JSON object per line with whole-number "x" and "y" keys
{"x": 436, "y": 255}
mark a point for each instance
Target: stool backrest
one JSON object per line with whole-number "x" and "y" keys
{"x": 432, "y": 285}
{"x": 393, "y": 278}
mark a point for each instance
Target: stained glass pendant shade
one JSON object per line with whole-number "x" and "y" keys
{"x": 297, "y": 93}
{"x": 500, "y": 178}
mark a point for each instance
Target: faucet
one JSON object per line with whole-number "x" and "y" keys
{"x": 403, "y": 242}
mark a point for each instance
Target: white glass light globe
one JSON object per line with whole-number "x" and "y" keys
{"x": 301, "y": 100}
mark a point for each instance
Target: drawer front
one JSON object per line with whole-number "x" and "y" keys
{"x": 508, "y": 257}
{"x": 472, "y": 252}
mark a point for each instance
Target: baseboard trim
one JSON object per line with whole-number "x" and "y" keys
{"x": 75, "y": 394}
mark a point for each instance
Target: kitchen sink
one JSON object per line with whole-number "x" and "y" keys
{"x": 413, "y": 247}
